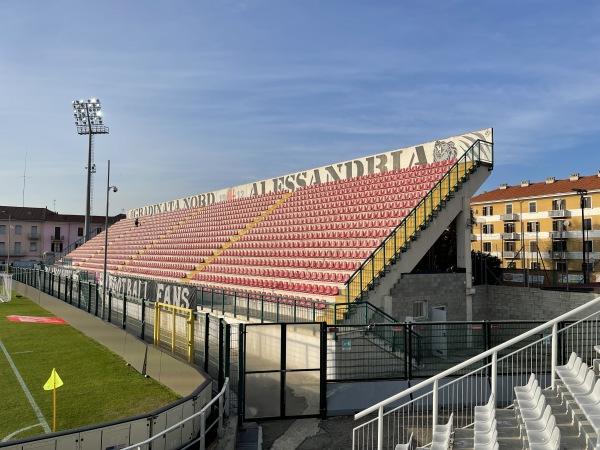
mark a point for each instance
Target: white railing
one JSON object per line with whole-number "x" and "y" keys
{"x": 470, "y": 383}
{"x": 191, "y": 423}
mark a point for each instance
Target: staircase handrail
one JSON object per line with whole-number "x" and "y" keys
{"x": 470, "y": 155}
{"x": 433, "y": 382}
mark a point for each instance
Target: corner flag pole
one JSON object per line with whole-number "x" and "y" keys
{"x": 52, "y": 384}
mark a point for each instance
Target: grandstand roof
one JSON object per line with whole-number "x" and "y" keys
{"x": 540, "y": 189}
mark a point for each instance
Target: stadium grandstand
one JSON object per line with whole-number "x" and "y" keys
{"x": 301, "y": 237}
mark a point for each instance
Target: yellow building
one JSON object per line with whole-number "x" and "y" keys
{"x": 539, "y": 226}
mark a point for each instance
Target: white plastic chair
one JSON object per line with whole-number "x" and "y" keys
{"x": 532, "y": 402}
{"x": 578, "y": 379}
{"x": 571, "y": 367}
{"x": 484, "y": 441}
{"x": 483, "y": 413}
{"x": 541, "y": 423}
{"x": 543, "y": 436}
{"x": 534, "y": 413}
{"x": 552, "y": 444}
{"x": 586, "y": 387}
{"x": 528, "y": 387}
{"x": 407, "y": 446}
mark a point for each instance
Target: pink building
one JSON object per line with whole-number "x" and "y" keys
{"x": 27, "y": 233}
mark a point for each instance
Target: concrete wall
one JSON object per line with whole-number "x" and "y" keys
{"x": 440, "y": 289}
{"x": 523, "y": 303}
{"x": 489, "y": 302}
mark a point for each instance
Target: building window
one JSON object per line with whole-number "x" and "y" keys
{"x": 80, "y": 231}
{"x": 2, "y": 229}
{"x": 559, "y": 225}
{"x": 588, "y": 246}
{"x": 511, "y": 265}
{"x": 488, "y": 210}
{"x": 17, "y": 248}
{"x": 18, "y": 229}
{"x": 532, "y": 227}
{"x": 33, "y": 246}
{"x": 561, "y": 266}
{"x": 533, "y": 246}
{"x": 509, "y": 246}
{"x": 558, "y": 204}
{"x": 98, "y": 230}
{"x": 587, "y": 202}
{"x": 509, "y": 227}
{"x": 420, "y": 309}
{"x": 57, "y": 247}
{"x": 509, "y": 208}
{"x": 34, "y": 230}
{"x": 2, "y": 247}
{"x": 487, "y": 247}
{"x": 587, "y": 223}
{"x": 532, "y": 207}
{"x": 534, "y": 265}
{"x": 488, "y": 229}
{"x": 559, "y": 245}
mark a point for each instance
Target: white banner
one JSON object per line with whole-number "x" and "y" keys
{"x": 440, "y": 150}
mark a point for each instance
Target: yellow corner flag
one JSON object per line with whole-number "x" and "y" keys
{"x": 53, "y": 382}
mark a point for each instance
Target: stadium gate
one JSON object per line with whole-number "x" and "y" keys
{"x": 283, "y": 371}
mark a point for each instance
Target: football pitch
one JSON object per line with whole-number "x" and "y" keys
{"x": 97, "y": 384}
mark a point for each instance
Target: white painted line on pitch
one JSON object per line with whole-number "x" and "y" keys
{"x": 9, "y": 437}
{"x": 20, "y": 353}
{"x": 34, "y": 405}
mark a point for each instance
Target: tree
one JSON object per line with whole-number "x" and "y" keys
{"x": 486, "y": 268}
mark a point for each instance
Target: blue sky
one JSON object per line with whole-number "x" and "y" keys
{"x": 202, "y": 95}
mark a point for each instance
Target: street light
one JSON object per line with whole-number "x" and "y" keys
{"x": 105, "y": 280}
{"x": 584, "y": 269}
{"x": 88, "y": 119}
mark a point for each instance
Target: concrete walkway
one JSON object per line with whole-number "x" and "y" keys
{"x": 178, "y": 375}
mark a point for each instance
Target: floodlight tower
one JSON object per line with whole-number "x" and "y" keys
{"x": 88, "y": 119}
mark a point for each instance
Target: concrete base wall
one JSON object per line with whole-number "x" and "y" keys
{"x": 523, "y": 303}
{"x": 442, "y": 289}
{"x": 489, "y": 302}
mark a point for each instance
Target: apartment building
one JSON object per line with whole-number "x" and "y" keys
{"x": 553, "y": 225}
{"x": 27, "y": 233}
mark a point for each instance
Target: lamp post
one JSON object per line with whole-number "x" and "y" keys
{"x": 88, "y": 119}
{"x": 584, "y": 269}
{"x": 105, "y": 280}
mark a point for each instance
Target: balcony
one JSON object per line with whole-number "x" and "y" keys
{"x": 559, "y": 255}
{"x": 33, "y": 236}
{"x": 558, "y": 213}
{"x": 473, "y": 237}
{"x": 55, "y": 238}
{"x": 509, "y": 217}
{"x": 558, "y": 235}
{"x": 509, "y": 255}
{"x": 510, "y": 236}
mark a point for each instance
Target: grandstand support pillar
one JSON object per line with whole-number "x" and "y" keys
{"x": 463, "y": 253}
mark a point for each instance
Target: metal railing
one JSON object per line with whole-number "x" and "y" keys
{"x": 417, "y": 220}
{"x": 495, "y": 371}
{"x": 209, "y": 417}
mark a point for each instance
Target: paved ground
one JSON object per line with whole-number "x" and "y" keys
{"x": 334, "y": 433}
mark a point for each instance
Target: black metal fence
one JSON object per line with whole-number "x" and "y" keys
{"x": 356, "y": 351}
{"x": 215, "y": 341}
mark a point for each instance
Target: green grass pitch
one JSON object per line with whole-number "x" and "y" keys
{"x": 98, "y": 385}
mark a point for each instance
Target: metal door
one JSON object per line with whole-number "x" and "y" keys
{"x": 283, "y": 371}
